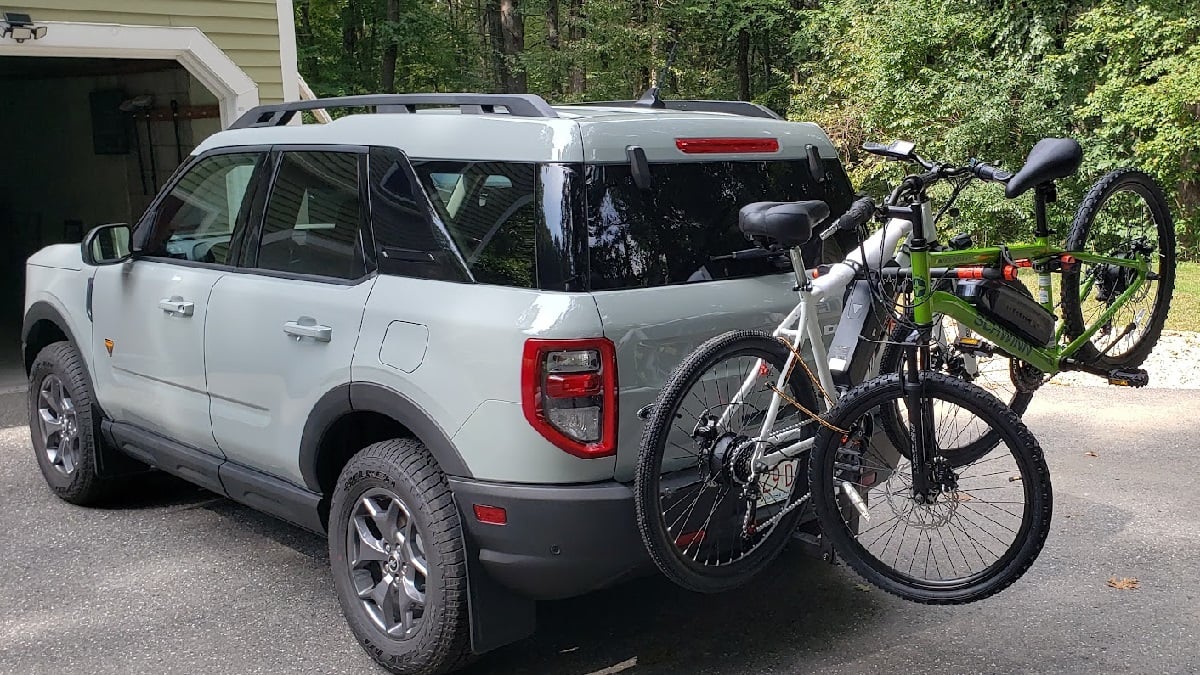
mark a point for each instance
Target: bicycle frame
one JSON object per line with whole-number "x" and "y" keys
{"x": 801, "y": 325}
{"x": 1048, "y": 359}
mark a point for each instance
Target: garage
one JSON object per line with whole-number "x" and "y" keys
{"x": 88, "y": 141}
{"x": 98, "y": 106}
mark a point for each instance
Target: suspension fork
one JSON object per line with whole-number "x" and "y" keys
{"x": 920, "y": 414}
{"x": 920, "y": 408}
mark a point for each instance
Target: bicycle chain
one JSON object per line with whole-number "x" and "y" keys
{"x": 770, "y": 522}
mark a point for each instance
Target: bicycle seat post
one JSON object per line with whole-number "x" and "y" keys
{"x": 803, "y": 283}
{"x": 1043, "y": 194}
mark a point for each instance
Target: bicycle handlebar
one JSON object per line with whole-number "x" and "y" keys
{"x": 992, "y": 174}
{"x": 861, "y": 211}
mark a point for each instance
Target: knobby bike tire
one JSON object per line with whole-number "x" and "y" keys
{"x": 662, "y": 544}
{"x": 1075, "y": 323}
{"x": 855, "y": 408}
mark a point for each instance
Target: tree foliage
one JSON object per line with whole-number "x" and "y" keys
{"x": 961, "y": 78}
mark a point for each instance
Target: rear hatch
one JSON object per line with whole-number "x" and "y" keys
{"x": 649, "y": 256}
{"x": 655, "y": 252}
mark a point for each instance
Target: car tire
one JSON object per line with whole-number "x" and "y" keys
{"x": 64, "y": 425}
{"x": 392, "y": 513}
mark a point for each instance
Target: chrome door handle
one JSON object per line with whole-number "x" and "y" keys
{"x": 307, "y": 327}
{"x": 177, "y": 306}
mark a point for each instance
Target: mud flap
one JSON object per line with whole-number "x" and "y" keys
{"x": 498, "y": 615}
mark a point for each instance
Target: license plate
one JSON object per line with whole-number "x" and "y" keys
{"x": 777, "y": 483}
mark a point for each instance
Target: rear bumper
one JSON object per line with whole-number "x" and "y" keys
{"x": 559, "y": 541}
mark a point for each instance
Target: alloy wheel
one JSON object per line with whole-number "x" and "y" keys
{"x": 58, "y": 423}
{"x": 388, "y": 567}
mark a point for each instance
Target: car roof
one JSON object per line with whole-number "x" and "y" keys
{"x": 592, "y": 133}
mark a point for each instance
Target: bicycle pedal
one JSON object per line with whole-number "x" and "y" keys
{"x": 1128, "y": 378}
{"x": 973, "y": 346}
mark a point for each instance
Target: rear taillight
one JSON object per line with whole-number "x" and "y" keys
{"x": 569, "y": 394}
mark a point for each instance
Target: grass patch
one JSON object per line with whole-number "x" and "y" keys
{"x": 1185, "y": 302}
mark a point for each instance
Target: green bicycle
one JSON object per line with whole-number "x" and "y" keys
{"x": 1116, "y": 274}
{"x": 880, "y": 495}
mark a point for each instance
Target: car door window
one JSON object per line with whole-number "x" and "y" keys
{"x": 313, "y": 216}
{"x": 195, "y": 220}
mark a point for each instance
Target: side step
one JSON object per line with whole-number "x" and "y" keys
{"x": 1134, "y": 377}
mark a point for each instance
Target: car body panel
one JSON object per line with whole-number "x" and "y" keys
{"x": 469, "y": 379}
{"x": 264, "y": 382}
{"x": 651, "y": 342}
{"x": 154, "y": 374}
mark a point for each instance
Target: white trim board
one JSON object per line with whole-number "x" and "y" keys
{"x": 233, "y": 88}
{"x": 288, "y": 55}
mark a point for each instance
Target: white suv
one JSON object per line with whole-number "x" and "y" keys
{"x": 425, "y": 330}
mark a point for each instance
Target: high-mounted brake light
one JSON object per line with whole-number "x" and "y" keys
{"x": 569, "y": 394}
{"x": 699, "y": 146}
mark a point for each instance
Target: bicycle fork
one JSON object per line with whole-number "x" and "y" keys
{"x": 920, "y": 420}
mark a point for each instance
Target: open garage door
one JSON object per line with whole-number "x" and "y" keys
{"x": 86, "y": 141}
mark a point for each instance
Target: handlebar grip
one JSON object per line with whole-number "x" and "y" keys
{"x": 857, "y": 215}
{"x": 991, "y": 173}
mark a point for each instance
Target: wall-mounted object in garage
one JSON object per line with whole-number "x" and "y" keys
{"x": 110, "y": 129}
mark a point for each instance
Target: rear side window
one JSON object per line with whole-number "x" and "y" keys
{"x": 671, "y": 232}
{"x": 314, "y": 216}
{"x": 492, "y": 210}
{"x": 408, "y": 241}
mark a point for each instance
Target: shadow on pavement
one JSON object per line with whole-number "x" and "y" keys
{"x": 799, "y": 605}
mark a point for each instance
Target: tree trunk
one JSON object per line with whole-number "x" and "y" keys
{"x": 306, "y": 37}
{"x": 513, "y": 26}
{"x": 387, "y": 69}
{"x": 743, "y": 64}
{"x": 554, "y": 43}
{"x": 577, "y": 77}
{"x": 507, "y": 29}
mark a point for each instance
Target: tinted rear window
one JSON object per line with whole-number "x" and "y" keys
{"x": 513, "y": 223}
{"x": 669, "y": 233}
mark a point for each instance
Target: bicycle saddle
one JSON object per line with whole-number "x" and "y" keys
{"x": 1050, "y": 159}
{"x": 788, "y": 223}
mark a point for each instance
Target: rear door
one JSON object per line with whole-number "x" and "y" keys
{"x": 657, "y": 275}
{"x": 281, "y": 332}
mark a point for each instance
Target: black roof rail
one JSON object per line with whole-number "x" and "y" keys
{"x": 745, "y": 108}
{"x": 517, "y": 105}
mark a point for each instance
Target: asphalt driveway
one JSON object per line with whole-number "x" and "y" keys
{"x": 182, "y": 581}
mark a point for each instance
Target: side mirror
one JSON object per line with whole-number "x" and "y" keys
{"x": 107, "y": 244}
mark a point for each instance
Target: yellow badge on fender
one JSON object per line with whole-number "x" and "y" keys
{"x": 108, "y": 344}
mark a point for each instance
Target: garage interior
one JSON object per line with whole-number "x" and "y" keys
{"x": 86, "y": 141}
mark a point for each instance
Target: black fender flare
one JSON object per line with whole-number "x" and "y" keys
{"x": 368, "y": 397}
{"x": 44, "y": 311}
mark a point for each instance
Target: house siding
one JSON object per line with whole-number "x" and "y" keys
{"x": 246, "y": 30}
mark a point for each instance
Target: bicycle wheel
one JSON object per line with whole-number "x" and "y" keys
{"x": 707, "y": 521}
{"x": 977, "y": 530}
{"x": 956, "y": 351}
{"x": 1125, "y": 215}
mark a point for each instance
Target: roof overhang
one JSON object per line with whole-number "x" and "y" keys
{"x": 233, "y": 88}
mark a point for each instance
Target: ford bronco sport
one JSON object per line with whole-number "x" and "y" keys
{"x": 424, "y": 329}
